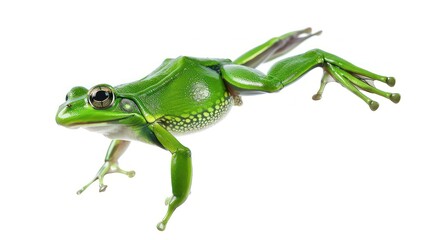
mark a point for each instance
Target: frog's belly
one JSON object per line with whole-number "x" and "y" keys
{"x": 198, "y": 118}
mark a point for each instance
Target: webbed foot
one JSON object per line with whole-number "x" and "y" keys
{"x": 336, "y": 69}
{"x": 354, "y": 79}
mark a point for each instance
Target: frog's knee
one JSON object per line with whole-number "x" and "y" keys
{"x": 317, "y": 54}
{"x": 273, "y": 84}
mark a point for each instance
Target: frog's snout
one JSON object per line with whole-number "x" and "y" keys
{"x": 67, "y": 114}
{"x": 61, "y": 116}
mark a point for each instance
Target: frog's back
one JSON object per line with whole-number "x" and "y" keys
{"x": 183, "y": 94}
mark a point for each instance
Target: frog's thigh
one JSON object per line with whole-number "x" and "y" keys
{"x": 248, "y": 78}
{"x": 281, "y": 73}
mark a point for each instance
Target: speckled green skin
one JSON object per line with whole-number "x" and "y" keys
{"x": 195, "y": 88}
{"x": 186, "y": 94}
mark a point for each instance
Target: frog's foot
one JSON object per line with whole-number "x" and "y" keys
{"x": 108, "y": 167}
{"x": 354, "y": 79}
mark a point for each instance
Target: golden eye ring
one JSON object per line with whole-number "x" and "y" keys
{"x": 101, "y": 97}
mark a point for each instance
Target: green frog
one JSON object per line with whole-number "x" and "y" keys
{"x": 187, "y": 94}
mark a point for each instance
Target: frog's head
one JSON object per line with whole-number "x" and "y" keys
{"x": 97, "y": 108}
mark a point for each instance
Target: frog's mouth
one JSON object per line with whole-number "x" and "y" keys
{"x": 95, "y": 124}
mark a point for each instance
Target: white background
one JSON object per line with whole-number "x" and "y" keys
{"x": 280, "y": 167}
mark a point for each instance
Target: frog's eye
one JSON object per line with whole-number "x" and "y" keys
{"x": 101, "y": 97}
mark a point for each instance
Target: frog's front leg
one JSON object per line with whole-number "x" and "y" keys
{"x": 291, "y": 69}
{"x": 181, "y": 171}
{"x": 116, "y": 149}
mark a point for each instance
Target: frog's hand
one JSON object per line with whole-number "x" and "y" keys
{"x": 181, "y": 171}
{"x": 274, "y": 48}
{"x": 291, "y": 69}
{"x": 116, "y": 149}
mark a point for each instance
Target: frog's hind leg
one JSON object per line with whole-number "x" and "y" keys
{"x": 289, "y": 70}
{"x": 274, "y": 48}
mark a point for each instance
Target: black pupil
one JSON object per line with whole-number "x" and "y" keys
{"x": 101, "y": 96}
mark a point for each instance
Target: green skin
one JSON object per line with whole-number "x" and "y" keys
{"x": 186, "y": 94}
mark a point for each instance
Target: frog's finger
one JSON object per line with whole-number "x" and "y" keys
{"x": 102, "y": 187}
{"x": 80, "y": 191}
{"x": 114, "y": 168}
{"x": 130, "y": 174}
{"x": 100, "y": 177}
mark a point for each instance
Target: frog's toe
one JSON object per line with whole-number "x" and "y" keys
{"x": 131, "y": 174}
{"x": 80, "y": 191}
{"x": 325, "y": 80}
{"x": 373, "y": 105}
{"x": 395, "y": 97}
{"x": 161, "y": 226}
{"x": 317, "y": 96}
{"x": 102, "y": 188}
{"x": 390, "y": 81}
